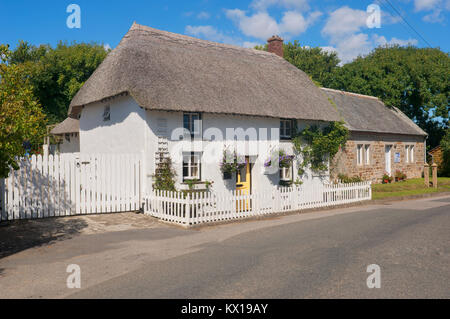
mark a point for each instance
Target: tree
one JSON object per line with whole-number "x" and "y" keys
{"x": 21, "y": 117}
{"x": 444, "y": 170}
{"x": 58, "y": 73}
{"x": 315, "y": 62}
{"x": 416, "y": 80}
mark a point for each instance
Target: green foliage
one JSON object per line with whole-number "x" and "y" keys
{"x": 317, "y": 145}
{"x": 231, "y": 163}
{"x": 315, "y": 62}
{"x": 399, "y": 176}
{"x": 416, "y": 80}
{"x": 444, "y": 170}
{"x": 164, "y": 178}
{"x": 346, "y": 179}
{"x": 386, "y": 179}
{"x": 21, "y": 117}
{"x": 58, "y": 73}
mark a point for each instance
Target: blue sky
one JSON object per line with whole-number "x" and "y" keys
{"x": 339, "y": 25}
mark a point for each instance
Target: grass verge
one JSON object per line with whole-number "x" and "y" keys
{"x": 409, "y": 187}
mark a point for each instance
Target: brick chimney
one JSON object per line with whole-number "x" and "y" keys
{"x": 275, "y": 45}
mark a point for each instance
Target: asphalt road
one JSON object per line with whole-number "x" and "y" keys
{"x": 315, "y": 255}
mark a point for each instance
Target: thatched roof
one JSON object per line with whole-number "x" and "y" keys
{"x": 167, "y": 71}
{"x": 369, "y": 114}
{"x": 69, "y": 125}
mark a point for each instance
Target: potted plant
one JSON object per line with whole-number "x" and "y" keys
{"x": 284, "y": 161}
{"x": 386, "y": 179}
{"x": 400, "y": 176}
{"x": 230, "y": 164}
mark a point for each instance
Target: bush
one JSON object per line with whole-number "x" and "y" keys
{"x": 346, "y": 179}
{"x": 399, "y": 176}
{"x": 444, "y": 170}
{"x": 386, "y": 179}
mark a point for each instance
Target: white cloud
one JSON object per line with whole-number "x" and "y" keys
{"x": 248, "y": 44}
{"x": 262, "y": 5}
{"x": 344, "y": 28}
{"x": 208, "y": 32}
{"x": 107, "y": 46}
{"x": 344, "y": 21}
{"x": 262, "y": 26}
{"x": 203, "y": 15}
{"x": 381, "y": 40}
{"x": 437, "y": 7}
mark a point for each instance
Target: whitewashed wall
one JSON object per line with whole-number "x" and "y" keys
{"x": 124, "y": 133}
{"x": 133, "y": 130}
{"x": 72, "y": 146}
{"x": 211, "y": 171}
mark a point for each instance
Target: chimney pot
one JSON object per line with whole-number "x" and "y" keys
{"x": 275, "y": 45}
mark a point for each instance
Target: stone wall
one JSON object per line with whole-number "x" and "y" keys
{"x": 345, "y": 162}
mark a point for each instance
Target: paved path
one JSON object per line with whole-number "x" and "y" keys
{"x": 321, "y": 254}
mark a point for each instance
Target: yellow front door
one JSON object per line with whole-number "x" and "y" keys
{"x": 243, "y": 185}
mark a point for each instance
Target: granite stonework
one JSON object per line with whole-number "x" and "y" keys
{"x": 345, "y": 161}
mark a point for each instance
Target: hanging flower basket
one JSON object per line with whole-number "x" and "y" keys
{"x": 284, "y": 161}
{"x": 231, "y": 163}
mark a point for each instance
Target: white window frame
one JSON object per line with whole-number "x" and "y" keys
{"x": 359, "y": 154}
{"x": 406, "y": 153}
{"x": 190, "y": 165}
{"x": 283, "y": 134}
{"x": 411, "y": 154}
{"x": 367, "y": 154}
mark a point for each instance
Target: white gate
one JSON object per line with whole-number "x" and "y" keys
{"x": 71, "y": 184}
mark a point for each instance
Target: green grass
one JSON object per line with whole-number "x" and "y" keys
{"x": 409, "y": 187}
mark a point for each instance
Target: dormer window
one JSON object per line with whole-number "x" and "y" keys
{"x": 107, "y": 113}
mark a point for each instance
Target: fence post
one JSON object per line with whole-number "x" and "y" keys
{"x": 434, "y": 173}
{"x": 3, "y": 215}
{"x": 426, "y": 174}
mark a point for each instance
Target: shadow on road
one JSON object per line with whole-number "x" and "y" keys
{"x": 16, "y": 236}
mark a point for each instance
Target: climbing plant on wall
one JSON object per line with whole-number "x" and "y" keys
{"x": 164, "y": 178}
{"x": 317, "y": 145}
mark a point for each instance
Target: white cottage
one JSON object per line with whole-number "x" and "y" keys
{"x": 165, "y": 94}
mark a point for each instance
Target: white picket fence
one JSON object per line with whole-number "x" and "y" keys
{"x": 206, "y": 207}
{"x": 70, "y": 184}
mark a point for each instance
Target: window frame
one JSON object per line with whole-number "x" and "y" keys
{"x": 190, "y": 166}
{"x": 359, "y": 154}
{"x": 283, "y": 136}
{"x": 367, "y": 154}
{"x": 191, "y": 123}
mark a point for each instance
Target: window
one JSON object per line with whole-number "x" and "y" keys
{"x": 286, "y": 127}
{"x": 191, "y": 166}
{"x": 192, "y": 123}
{"x": 367, "y": 154}
{"x": 359, "y": 154}
{"x": 67, "y": 136}
{"x": 107, "y": 113}
{"x": 407, "y": 153}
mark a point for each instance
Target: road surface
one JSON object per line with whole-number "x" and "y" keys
{"x": 315, "y": 255}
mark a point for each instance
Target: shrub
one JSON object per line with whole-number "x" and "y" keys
{"x": 346, "y": 179}
{"x": 386, "y": 179}
{"x": 400, "y": 176}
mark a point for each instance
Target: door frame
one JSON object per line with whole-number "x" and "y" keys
{"x": 388, "y": 155}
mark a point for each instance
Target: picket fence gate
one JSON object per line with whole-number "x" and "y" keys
{"x": 205, "y": 207}
{"x": 71, "y": 184}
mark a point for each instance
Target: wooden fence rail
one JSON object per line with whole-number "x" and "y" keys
{"x": 71, "y": 184}
{"x": 197, "y": 208}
